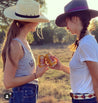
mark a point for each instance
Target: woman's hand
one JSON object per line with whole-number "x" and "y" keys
{"x": 41, "y": 70}
{"x": 58, "y": 65}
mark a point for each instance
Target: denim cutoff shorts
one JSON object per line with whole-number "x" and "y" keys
{"x": 27, "y": 93}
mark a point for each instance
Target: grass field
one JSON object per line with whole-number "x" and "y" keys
{"x": 54, "y": 85}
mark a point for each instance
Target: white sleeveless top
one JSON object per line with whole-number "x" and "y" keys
{"x": 27, "y": 64}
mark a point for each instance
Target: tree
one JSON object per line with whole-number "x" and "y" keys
{"x": 60, "y": 34}
{"x": 95, "y": 30}
{"x": 4, "y": 4}
{"x": 37, "y": 38}
{"x": 4, "y": 22}
{"x": 2, "y": 35}
{"x": 47, "y": 34}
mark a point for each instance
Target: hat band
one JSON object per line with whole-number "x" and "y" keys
{"x": 25, "y": 16}
{"x": 77, "y": 9}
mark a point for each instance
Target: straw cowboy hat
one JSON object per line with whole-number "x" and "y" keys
{"x": 25, "y": 10}
{"x": 74, "y": 6}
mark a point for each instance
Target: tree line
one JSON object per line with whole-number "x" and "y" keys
{"x": 47, "y": 33}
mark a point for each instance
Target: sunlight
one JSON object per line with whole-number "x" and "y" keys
{"x": 56, "y": 7}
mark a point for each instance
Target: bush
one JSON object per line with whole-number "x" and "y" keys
{"x": 48, "y": 99}
{"x": 2, "y": 35}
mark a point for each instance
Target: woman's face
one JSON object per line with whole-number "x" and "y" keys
{"x": 73, "y": 25}
{"x": 32, "y": 26}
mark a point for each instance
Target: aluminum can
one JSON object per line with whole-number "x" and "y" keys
{"x": 50, "y": 60}
{"x": 41, "y": 61}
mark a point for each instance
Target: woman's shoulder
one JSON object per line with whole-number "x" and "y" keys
{"x": 15, "y": 48}
{"x": 15, "y": 44}
{"x": 88, "y": 40}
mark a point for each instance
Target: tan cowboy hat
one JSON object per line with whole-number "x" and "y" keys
{"x": 78, "y": 6}
{"x": 25, "y": 10}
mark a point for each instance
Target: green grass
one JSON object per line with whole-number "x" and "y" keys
{"x": 54, "y": 85}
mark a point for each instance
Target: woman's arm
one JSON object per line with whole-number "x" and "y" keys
{"x": 93, "y": 68}
{"x": 10, "y": 80}
{"x": 65, "y": 69}
{"x": 60, "y": 66}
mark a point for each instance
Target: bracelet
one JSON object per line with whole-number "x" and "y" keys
{"x": 35, "y": 75}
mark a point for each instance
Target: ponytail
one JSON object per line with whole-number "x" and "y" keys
{"x": 13, "y": 31}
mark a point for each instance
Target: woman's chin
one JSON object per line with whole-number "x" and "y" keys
{"x": 73, "y": 33}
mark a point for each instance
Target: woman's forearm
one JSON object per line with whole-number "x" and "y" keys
{"x": 65, "y": 69}
{"x": 17, "y": 81}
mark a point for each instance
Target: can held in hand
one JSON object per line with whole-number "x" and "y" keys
{"x": 41, "y": 61}
{"x": 50, "y": 60}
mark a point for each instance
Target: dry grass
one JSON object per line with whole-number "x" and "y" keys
{"x": 54, "y": 86}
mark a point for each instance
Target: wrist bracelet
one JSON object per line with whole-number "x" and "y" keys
{"x": 35, "y": 75}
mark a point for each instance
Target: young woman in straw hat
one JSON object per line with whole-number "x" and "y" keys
{"x": 83, "y": 68}
{"x": 20, "y": 71}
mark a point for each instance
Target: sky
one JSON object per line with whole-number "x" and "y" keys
{"x": 56, "y": 7}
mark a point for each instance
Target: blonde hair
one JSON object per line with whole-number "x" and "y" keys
{"x": 13, "y": 31}
{"x": 39, "y": 32}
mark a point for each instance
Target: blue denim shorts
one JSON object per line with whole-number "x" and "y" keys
{"x": 26, "y": 93}
{"x": 92, "y": 100}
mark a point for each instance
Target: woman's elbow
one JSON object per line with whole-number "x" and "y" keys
{"x": 7, "y": 84}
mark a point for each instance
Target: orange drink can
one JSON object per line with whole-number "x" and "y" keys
{"x": 41, "y": 61}
{"x": 50, "y": 60}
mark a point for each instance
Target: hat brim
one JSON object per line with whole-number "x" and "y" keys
{"x": 10, "y": 13}
{"x": 60, "y": 20}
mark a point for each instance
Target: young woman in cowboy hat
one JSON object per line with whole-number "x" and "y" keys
{"x": 20, "y": 71}
{"x": 83, "y": 68}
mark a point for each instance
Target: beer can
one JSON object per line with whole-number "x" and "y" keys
{"x": 50, "y": 60}
{"x": 41, "y": 61}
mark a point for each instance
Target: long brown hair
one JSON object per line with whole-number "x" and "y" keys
{"x": 13, "y": 32}
{"x": 85, "y": 20}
